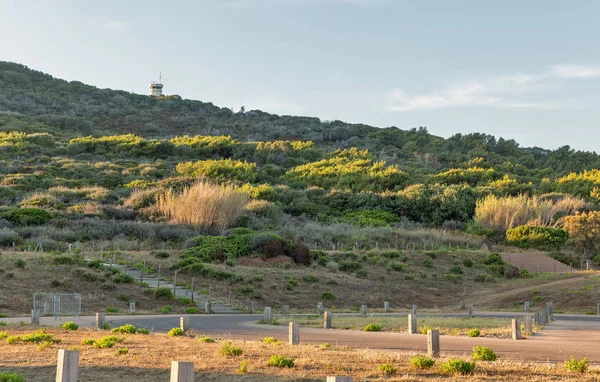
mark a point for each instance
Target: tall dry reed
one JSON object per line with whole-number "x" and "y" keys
{"x": 204, "y": 205}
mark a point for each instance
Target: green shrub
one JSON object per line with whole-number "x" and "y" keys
{"x": 161, "y": 254}
{"x": 421, "y": 362}
{"x": 206, "y": 339}
{"x": 70, "y": 326}
{"x": 106, "y": 342}
{"x": 166, "y": 309}
{"x": 7, "y": 376}
{"x": 428, "y": 263}
{"x": 228, "y": 350}
{"x": 281, "y": 361}
{"x": 20, "y": 263}
{"x": 184, "y": 300}
{"x": 128, "y": 328}
{"x": 123, "y": 297}
{"x": 457, "y": 366}
{"x": 473, "y": 333}
{"x": 143, "y": 331}
{"x": 396, "y": 266}
{"x": 39, "y": 336}
{"x": 270, "y": 340}
{"x": 112, "y": 309}
{"x": 163, "y": 293}
{"x": 12, "y": 339}
{"x": 468, "y": 263}
{"x": 481, "y": 353}
{"x": 243, "y": 369}
{"x": 388, "y": 369}
{"x": 309, "y": 279}
{"x": 122, "y": 351}
{"x": 328, "y": 295}
{"x": 575, "y": 366}
{"x": 424, "y": 328}
{"x": 175, "y": 332}
{"x": 455, "y": 269}
{"x": 26, "y": 216}
{"x": 526, "y": 236}
{"x": 123, "y": 278}
{"x": 87, "y": 341}
{"x": 192, "y": 310}
{"x": 373, "y": 328}
{"x": 245, "y": 290}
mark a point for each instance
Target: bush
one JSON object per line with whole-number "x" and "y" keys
{"x": 206, "y": 339}
{"x": 163, "y": 293}
{"x": 122, "y": 351}
{"x": 468, "y": 263}
{"x": 526, "y": 236}
{"x": 270, "y": 340}
{"x": 481, "y": 353}
{"x": 580, "y": 366}
{"x": 70, "y": 326}
{"x": 143, "y": 331}
{"x": 309, "y": 279}
{"x": 7, "y": 376}
{"x": 229, "y": 351}
{"x": 192, "y": 310}
{"x": 129, "y": 329}
{"x": 243, "y": 369}
{"x": 20, "y": 263}
{"x": 26, "y": 216}
{"x": 455, "y": 269}
{"x": 428, "y": 263}
{"x": 388, "y": 369}
{"x": 473, "y": 333}
{"x": 328, "y": 295}
{"x": 166, "y": 309}
{"x": 104, "y": 342}
{"x": 396, "y": 266}
{"x": 457, "y": 366}
{"x": 281, "y": 361}
{"x": 373, "y": 328}
{"x": 421, "y": 362}
{"x": 112, "y": 309}
{"x": 175, "y": 332}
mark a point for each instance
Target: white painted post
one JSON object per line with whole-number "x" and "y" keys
{"x": 35, "y": 317}
{"x": 100, "y": 320}
{"x": 433, "y": 343}
{"x": 182, "y": 371}
{"x": 184, "y": 323}
{"x": 327, "y": 320}
{"x": 363, "y": 310}
{"x": 132, "y": 307}
{"x": 412, "y": 324}
{"x": 294, "y": 333}
{"x": 527, "y": 306}
{"x": 339, "y": 379}
{"x": 267, "y": 315}
{"x": 386, "y": 306}
{"x": 67, "y": 366}
{"x": 516, "y": 329}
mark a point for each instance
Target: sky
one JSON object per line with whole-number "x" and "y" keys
{"x": 527, "y": 70}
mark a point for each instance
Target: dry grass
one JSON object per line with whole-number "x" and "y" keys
{"x": 208, "y": 206}
{"x": 150, "y": 356}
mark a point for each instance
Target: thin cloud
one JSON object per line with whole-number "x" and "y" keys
{"x": 107, "y": 23}
{"x": 505, "y": 91}
{"x": 246, "y": 4}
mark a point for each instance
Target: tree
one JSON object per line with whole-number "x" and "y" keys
{"x": 584, "y": 231}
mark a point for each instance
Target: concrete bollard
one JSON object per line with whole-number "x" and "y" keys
{"x": 320, "y": 308}
{"x": 363, "y": 310}
{"x": 470, "y": 310}
{"x": 132, "y": 307}
{"x": 433, "y": 343}
{"x": 100, "y": 320}
{"x": 339, "y": 379}
{"x": 286, "y": 310}
{"x": 386, "y": 306}
{"x": 252, "y": 308}
{"x": 182, "y": 371}
{"x": 598, "y": 309}
{"x": 526, "y": 306}
{"x": 184, "y": 323}
{"x": 528, "y": 325}
{"x": 267, "y": 316}
{"x": 412, "y": 324}
{"x": 207, "y": 307}
{"x": 327, "y": 320}
{"x": 414, "y": 309}
{"x": 462, "y": 305}
{"x": 516, "y": 329}
{"x": 35, "y": 317}
{"x": 67, "y": 366}
{"x": 294, "y": 333}
{"x": 549, "y": 307}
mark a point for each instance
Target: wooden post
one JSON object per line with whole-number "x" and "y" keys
{"x": 158, "y": 282}
{"x": 175, "y": 285}
{"x": 267, "y": 315}
{"x": 339, "y": 379}
{"x": 327, "y": 320}
{"x": 35, "y": 317}
{"x": 67, "y": 366}
{"x": 386, "y": 306}
{"x": 516, "y": 329}
{"x": 414, "y": 309}
{"x": 433, "y": 343}
{"x": 549, "y": 307}
{"x": 252, "y": 310}
{"x": 132, "y": 307}
{"x": 363, "y": 310}
{"x": 192, "y": 289}
{"x": 142, "y": 272}
{"x": 207, "y": 307}
{"x": 528, "y": 325}
{"x": 229, "y": 299}
{"x": 182, "y": 371}
{"x": 527, "y": 306}
{"x": 598, "y": 309}
{"x": 412, "y": 324}
{"x": 100, "y": 320}
{"x": 286, "y": 310}
{"x": 294, "y": 333}
{"x": 320, "y": 308}
{"x": 184, "y": 323}
{"x": 470, "y": 310}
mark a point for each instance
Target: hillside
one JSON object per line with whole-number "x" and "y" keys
{"x": 102, "y": 171}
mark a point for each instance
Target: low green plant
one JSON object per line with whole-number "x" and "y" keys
{"x": 281, "y": 361}
{"x": 328, "y": 295}
{"x": 129, "y": 329}
{"x": 421, "y": 362}
{"x": 7, "y": 376}
{"x": 122, "y": 351}
{"x": 166, "y": 309}
{"x": 270, "y": 340}
{"x": 106, "y": 342}
{"x": 309, "y": 279}
{"x": 427, "y": 263}
{"x": 424, "y": 328}
{"x": 107, "y": 326}
{"x": 206, "y": 339}
{"x": 143, "y": 331}
{"x": 112, "y": 309}
{"x": 481, "y": 353}
{"x": 388, "y": 369}
{"x": 163, "y": 293}
{"x": 175, "y": 332}
{"x": 44, "y": 345}
{"x": 39, "y": 336}
{"x": 457, "y": 366}
{"x": 3, "y": 335}
{"x": 325, "y": 346}
{"x": 373, "y": 328}
{"x": 468, "y": 263}
{"x": 192, "y": 310}
{"x": 576, "y": 366}
{"x": 20, "y": 263}
{"x": 87, "y": 341}
{"x": 12, "y": 339}
{"x": 243, "y": 369}
{"x": 185, "y": 300}
{"x": 229, "y": 351}
{"x": 70, "y": 326}
{"x": 473, "y": 333}
{"x": 3, "y": 323}
{"x": 123, "y": 297}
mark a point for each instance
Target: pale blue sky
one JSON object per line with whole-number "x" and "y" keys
{"x": 528, "y": 70}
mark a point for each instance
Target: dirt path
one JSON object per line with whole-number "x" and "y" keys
{"x": 535, "y": 261}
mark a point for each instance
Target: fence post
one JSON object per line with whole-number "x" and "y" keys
{"x": 192, "y": 289}
{"x": 182, "y": 371}
{"x": 67, "y": 366}
{"x": 339, "y": 379}
{"x": 528, "y": 325}
{"x": 294, "y": 333}
{"x": 319, "y": 308}
{"x": 598, "y": 309}
{"x": 516, "y": 329}
{"x": 252, "y": 310}
{"x": 549, "y": 306}
{"x": 433, "y": 343}
{"x": 175, "y": 285}
{"x": 100, "y": 320}
{"x": 412, "y": 324}
{"x": 527, "y": 306}
{"x": 207, "y": 308}
{"x": 35, "y": 317}
{"x": 132, "y": 307}
{"x": 158, "y": 279}
{"x": 142, "y": 272}
{"x": 363, "y": 310}
{"x": 386, "y": 306}
{"x": 414, "y": 309}
{"x": 327, "y": 320}
{"x": 267, "y": 315}
{"x": 470, "y": 310}
{"x": 184, "y": 323}
{"x": 286, "y": 310}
